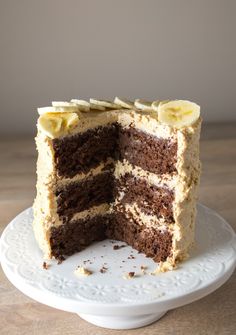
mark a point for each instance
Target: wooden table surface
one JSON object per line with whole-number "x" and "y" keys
{"x": 214, "y": 314}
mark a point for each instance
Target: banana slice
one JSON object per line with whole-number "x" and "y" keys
{"x": 144, "y": 105}
{"x": 50, "y": 124}
{"x": 124, "y": 103}
{"x": 157, "y": 103}
{"x": 55, "y": 124}
{"x": 97, "y": 107}
{"x": 178, "y": 113}
{"x": 62, "y": 104}
{"x": 58, "y": 109}
{"x": 162, "y": 102}
{"x": 70, "y": 121}
{"x": 83, "y": 105}
{"x": 104, "y": 103}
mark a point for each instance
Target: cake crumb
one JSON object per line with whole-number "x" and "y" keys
{"x": 131, "y": 257}
{"x": 143, "y": 269}
{"x": 81, "y": 271}
{"x": 164, "y": 267}
{"x": 103, "y": 269}
{"x": 117, "y": 247}
{"x": 45, "y": 265}
{"x": 87, "y": 261}
{"x": 129, "y": 275}
{"x": 60, "y": 259}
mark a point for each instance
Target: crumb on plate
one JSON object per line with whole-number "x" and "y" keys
{"x": 81, "y": 271}
{"x": 45, "y": 265}
{"x": 129, "y": 275}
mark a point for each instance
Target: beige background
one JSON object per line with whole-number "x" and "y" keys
{"x": 56, "y": 50}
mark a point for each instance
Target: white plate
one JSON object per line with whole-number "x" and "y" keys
{"x": 107, "y": 299}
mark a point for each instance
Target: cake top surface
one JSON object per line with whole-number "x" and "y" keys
{"x": 63, "y": 118}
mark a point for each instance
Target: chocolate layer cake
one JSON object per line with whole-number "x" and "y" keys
{"x": 120, "y": 170}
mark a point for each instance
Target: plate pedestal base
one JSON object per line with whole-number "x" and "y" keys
{"x": 107, "y": 299}
{"x": 122, "y": 322}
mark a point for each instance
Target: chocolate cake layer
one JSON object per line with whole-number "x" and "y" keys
{"x": 83, "y": 151}
{"x": 78, "y": 196}
{"x": 153, "y": 242}
{"x": 151, "y": 153}
{"x": 74, "y": 236}
{"x": 151, "y": 199}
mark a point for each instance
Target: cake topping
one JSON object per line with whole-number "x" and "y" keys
{"x": 155, "y": 105}
{"x": 63, "y": 104}
{"x": 97, "y": 107}
{"x": 83, "y": 105}
{"x": 55, "y": 124}
{"x": 124, "y": 103}
{"x": 104, "y": 103}
{"x": 58, "y": 109}
{"x": 175, "y": 113}
{"x": 178, "y": 113}
{"x": 144, "y": 105}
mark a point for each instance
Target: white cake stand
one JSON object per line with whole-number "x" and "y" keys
{"x": 107, "y": 299}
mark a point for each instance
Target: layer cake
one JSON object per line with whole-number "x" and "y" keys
{"x": 122, "y": 170}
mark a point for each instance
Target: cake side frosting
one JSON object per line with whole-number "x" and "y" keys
{"x": 45, "y": 208}
{"x": 188, "y": 167}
